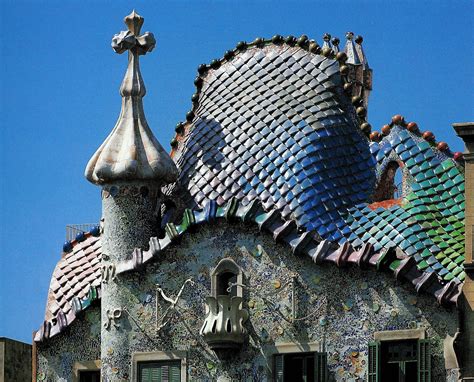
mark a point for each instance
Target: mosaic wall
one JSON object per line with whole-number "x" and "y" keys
{"x": 340, "y": 309}
{"x": 81, "y": 342}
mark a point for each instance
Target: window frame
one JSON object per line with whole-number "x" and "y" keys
{"x": 158, "y": 356}
{"x": 84, "y": 366}
{"x": 143, "y": 365}
{"x": 386, "y": 187}
{"x": 289, "y": 348}
{"x": 374, "y": 362}
{"x": 226, "y": 265}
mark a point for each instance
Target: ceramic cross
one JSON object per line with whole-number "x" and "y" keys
{"x": 136, "y": 45}
{"x": 131, "y": 39}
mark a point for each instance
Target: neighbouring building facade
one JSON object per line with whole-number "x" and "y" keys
{"x": 280, "y": 240}
{"x": 15, "y": 360}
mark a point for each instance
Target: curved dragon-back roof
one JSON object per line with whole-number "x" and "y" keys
{"x": 271, "y": 121}
{"x": 71, "y": 292}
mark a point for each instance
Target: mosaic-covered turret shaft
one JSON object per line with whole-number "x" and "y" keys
{"x": 131, "y": 166}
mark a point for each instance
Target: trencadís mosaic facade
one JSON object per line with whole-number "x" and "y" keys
{"x": 338, "y": 309}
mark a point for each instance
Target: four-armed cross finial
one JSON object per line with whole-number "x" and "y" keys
{"x": 131, "y": 39}
{"x": 136, "y": 45}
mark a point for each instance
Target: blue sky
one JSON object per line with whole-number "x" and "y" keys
{"x": 59, "y": 98}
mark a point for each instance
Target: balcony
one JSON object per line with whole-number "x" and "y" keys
{"x": 223, "y": 327}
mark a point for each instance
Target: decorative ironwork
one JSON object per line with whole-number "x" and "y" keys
{"x": 112, "y": 318}
{"x": 165, "y": 318}
{"x": 274, "y": 307}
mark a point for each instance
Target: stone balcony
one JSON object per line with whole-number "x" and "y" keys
{"x": 223, "y": 327}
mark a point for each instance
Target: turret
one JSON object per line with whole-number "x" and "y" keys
{"x": 131, "y": 167}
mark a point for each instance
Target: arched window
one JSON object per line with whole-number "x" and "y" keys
{"x": 391, "y": 184}
{"x": 398, "y": 183}
{"x": 225, "y": 273}
{"x": 223, "y": 281}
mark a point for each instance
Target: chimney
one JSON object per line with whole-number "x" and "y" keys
{"x": 466, "y": 132}
{"x": 360, "y": 75}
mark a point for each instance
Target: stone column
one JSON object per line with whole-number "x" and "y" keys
{"x": 131, "y": 167}
{"x": 466, "y": 304}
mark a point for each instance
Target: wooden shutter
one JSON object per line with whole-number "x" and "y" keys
{"x": 320, "y": 367}
{"x": 156, "y": 374}
{"x": 424, "y": 361}
{"x": 160, "y": 371}
{"x": 175, "y": 372}
{"x": 165, "y": 373}
{"x": 145, "y": 373}
{"x": 374, "y": 362}
{"x": 279, "y": 369}
{"x": 150, "y": 373}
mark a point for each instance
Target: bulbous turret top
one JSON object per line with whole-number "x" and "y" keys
{"x": 131, "y": 152}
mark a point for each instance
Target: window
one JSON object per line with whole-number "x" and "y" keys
{"x": 86, "y": 371}
{"x": 159, "y": 371}
{"x": 227, "y": 271}
{"x": 398, "y": 183}
{"x": 391, "y": 183}
{"x": 300, "y": 367}
{"x": 402, "y": 360}
{"x": 159, "y": 366}
{"x": 223, "y": 281}
{"x": 89, "y": 376}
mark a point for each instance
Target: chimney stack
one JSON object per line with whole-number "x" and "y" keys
{"x": 360, "y": 75}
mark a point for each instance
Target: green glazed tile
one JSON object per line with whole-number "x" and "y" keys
{"x": 444, "y": 261}
{"x": 451, "y": 266}
{"x": 422, "y": 265}
{"x": 459, "y": 260}
{"x": 448, "y": 277}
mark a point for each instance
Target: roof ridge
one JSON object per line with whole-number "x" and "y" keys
{"x": 399, "y": 121}
{"x": 300, "y": 240}
{"x": 328, "y": 51}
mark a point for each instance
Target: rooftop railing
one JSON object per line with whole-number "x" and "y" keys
{"x": 73, "y": 229}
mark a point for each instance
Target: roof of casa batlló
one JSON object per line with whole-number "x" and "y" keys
{"x": 273, "y": 139}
